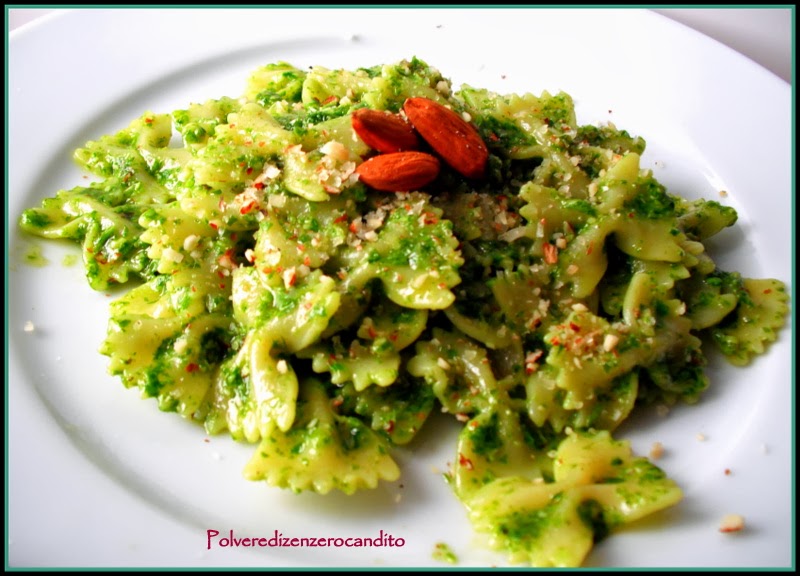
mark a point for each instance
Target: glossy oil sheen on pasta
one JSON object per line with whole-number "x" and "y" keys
{"x": 280, "y": 300}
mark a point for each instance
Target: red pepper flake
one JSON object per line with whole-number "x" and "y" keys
{"x": 372, "y": 333}
{"x": 258, "y": 185}
{"x": 550, "y": 253}
{"x": 247, "y": 208}
{"x": 301, "y": 247}
{"x": 389, "y": 427}
{"x": 555, "y": 342}
{"x": 220, "y": 274}
{"x": 241, "y": 164}
{"x": 630, "y": 214}
{"x": 768, "y": 291}
{"x": 494, "y": 137}
{"x": 307, "y": 260}
{"x": 222, "y": 286}
{"x": 393, "y": 336}
{"x": 590, "y": 248}
{"x": 148, "y": 120}
{"x": 192, "y": 367}
{"x": 214, "y": 225}
{"x": 262, "y": 144}
{"x": 194, "y": 289}
{"x": 465, "y": 462}
{"x": 353, "y": 227}
{"x": 249, "y": 170}
{"x": 329, "y": 99}
{"x": 574, "y": 327}
{"x": 430, "y": 218}
{"x": 340, "y": 219}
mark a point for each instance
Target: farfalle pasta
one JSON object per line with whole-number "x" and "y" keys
{"x": 539, "y": 299}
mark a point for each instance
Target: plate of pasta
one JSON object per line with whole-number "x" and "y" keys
{"x": 394, "y": 288}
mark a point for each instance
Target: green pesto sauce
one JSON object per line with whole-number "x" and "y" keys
{"x": 33, "y": 256}
{"x": 486, "y": 439}
{"x": 70, "y": 260}
{"x": 520, "y": 528}
{"x": 443, "y": 553}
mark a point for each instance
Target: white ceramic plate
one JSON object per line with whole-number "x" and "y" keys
{"x": 98, "y": 477}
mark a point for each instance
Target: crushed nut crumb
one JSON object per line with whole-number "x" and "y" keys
{"x": 610, "y": 342}
{"x": 656, "y": 450}
{"x": 731, "y": 523}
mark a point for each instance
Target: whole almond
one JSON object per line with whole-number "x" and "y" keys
{"x": 383, "y": 131}
{"x": 399, "y": 171}
{"x": 452, "y": 137}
